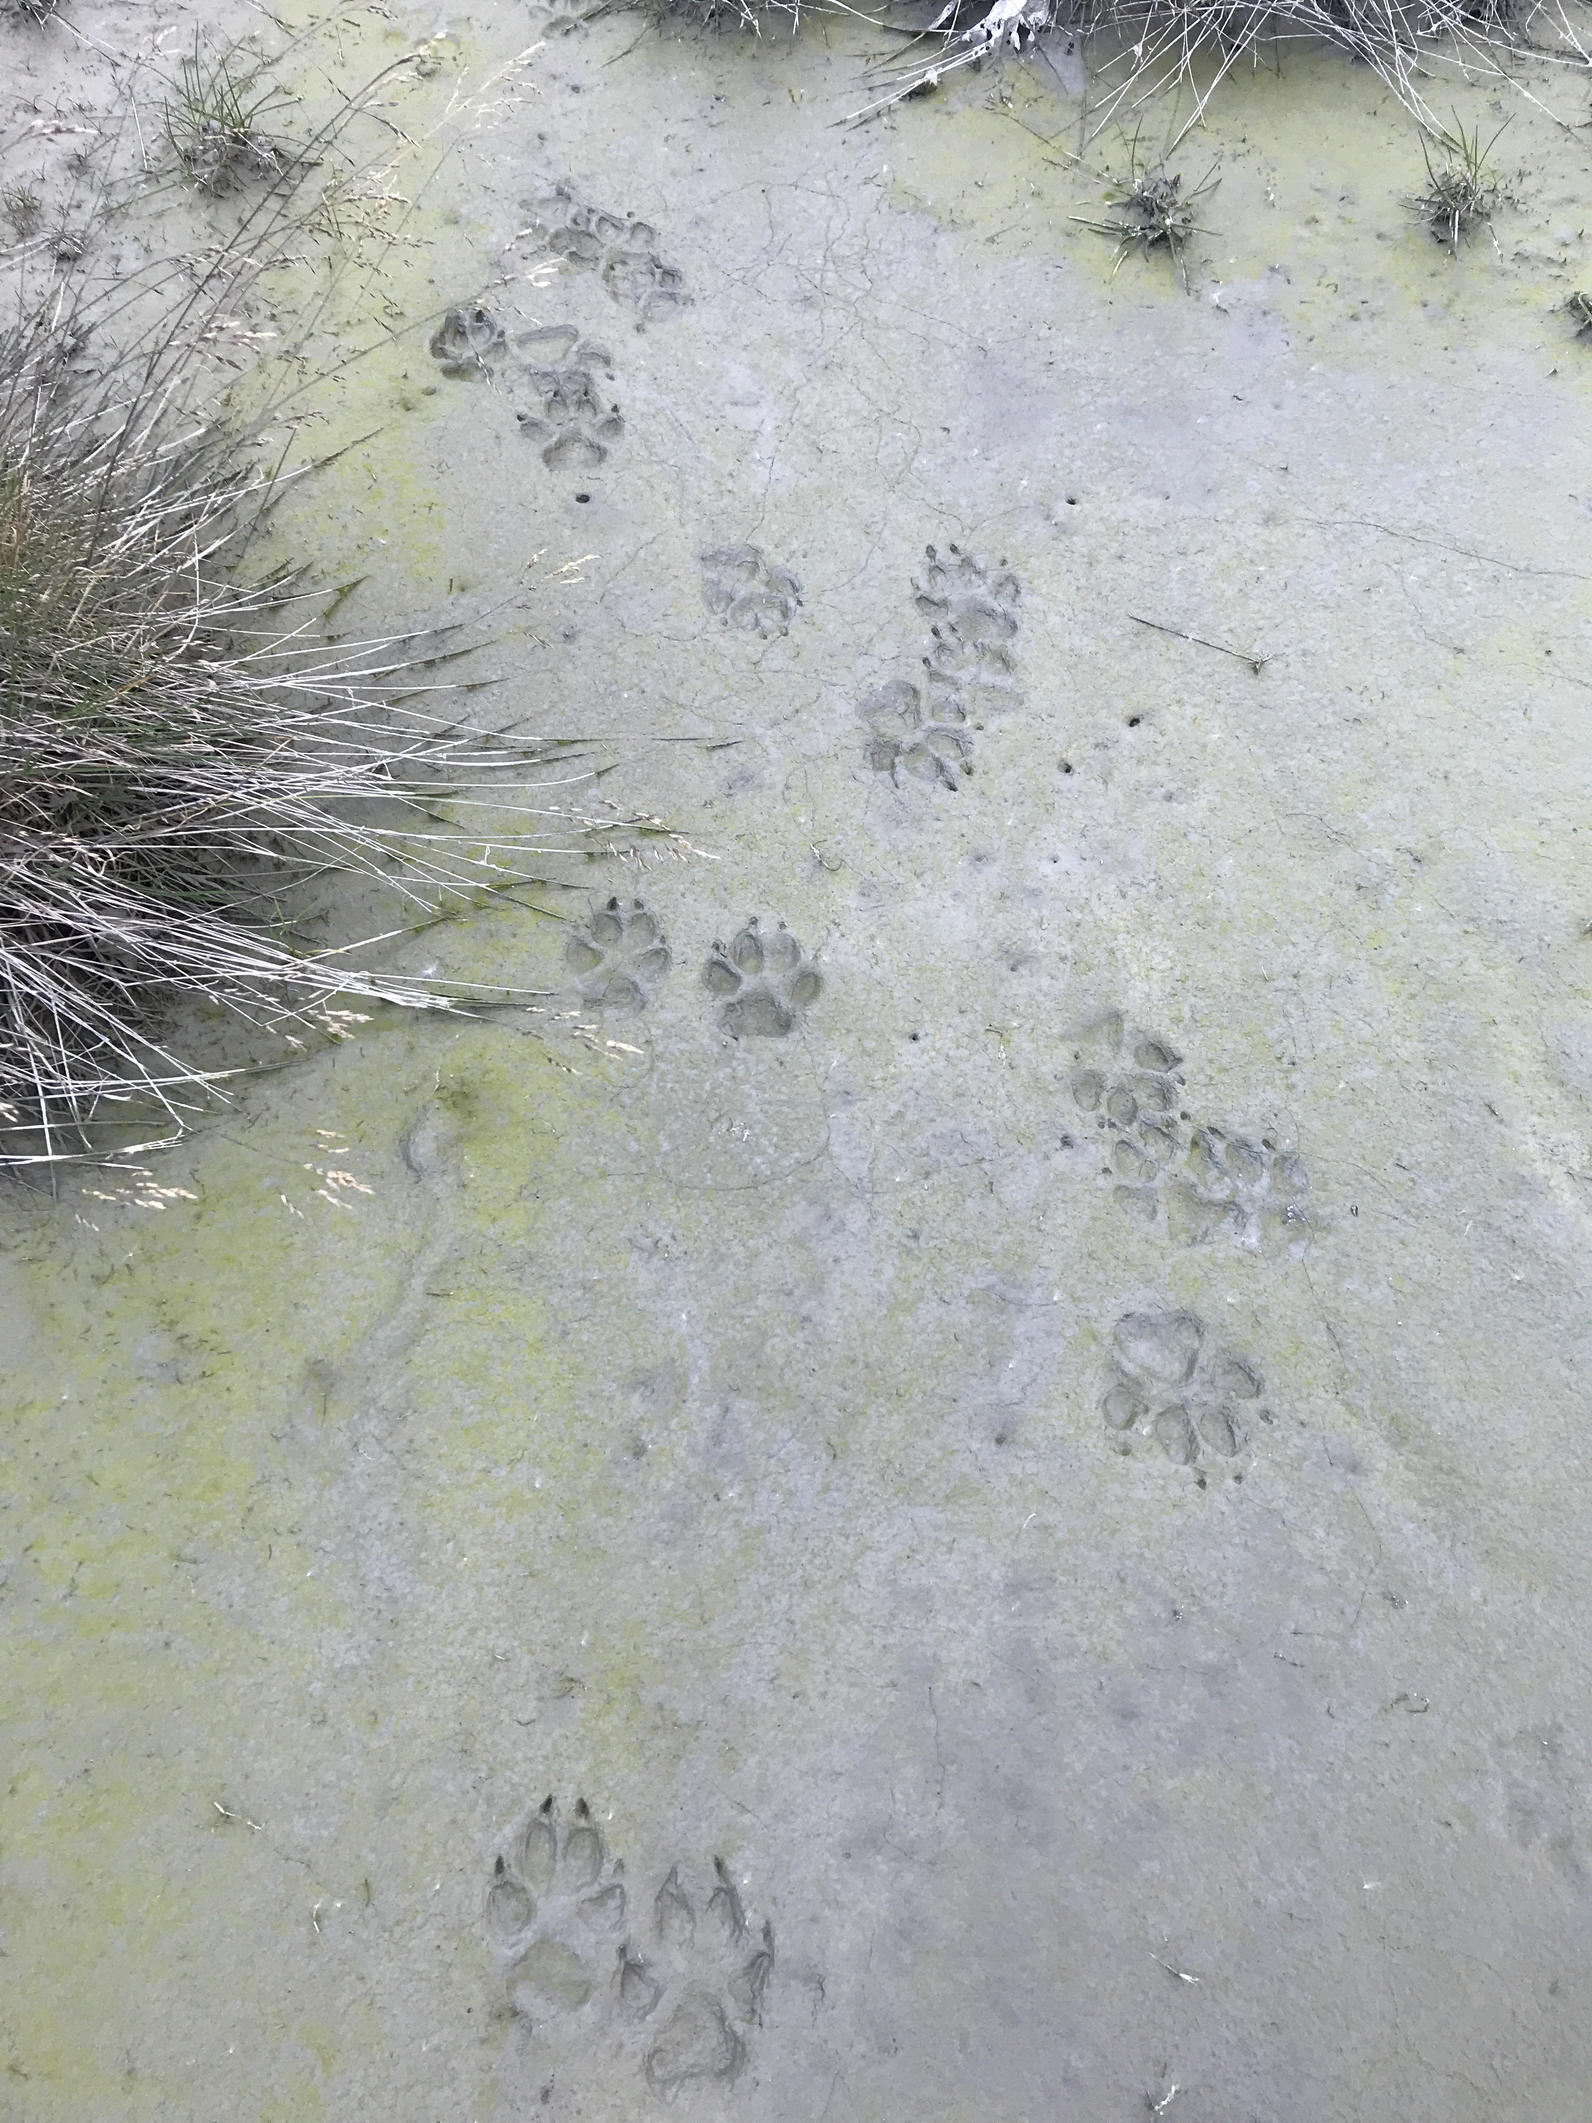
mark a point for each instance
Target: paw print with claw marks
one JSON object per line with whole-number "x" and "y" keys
{"x": 1173, "y": 1384}
{"x": 903, "y": 740}
{"x": 764, "y": 982}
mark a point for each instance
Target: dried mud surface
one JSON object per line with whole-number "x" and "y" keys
{"x": 956, "y": 1489}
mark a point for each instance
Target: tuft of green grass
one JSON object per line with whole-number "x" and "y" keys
{"x": 1462, "y": 188}
{"x": 1152, "y": 211}
{"x": 216, "y": 124}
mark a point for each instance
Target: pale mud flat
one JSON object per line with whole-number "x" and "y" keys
{"x": 1043, "y": 1426}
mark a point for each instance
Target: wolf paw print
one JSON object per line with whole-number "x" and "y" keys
{"x": 763, "y": 980}
{"x": 696, "y": 1987}
{"x": 952, "y": 579}
{"x": 1235, "y": 1187}
{"x": 556, "y": 1912}
{"x": 468, "y": 342}
{"x": 574, "y": 421}
{"x": 1126, "y": 1084}
{"x": 969, "y": 653}
{"x": 902, "y": 741}
{"x": 964, "y": 660}
{"x": 622, "y": 250}
{"x": 1173, "y": 1385}
{"x": 747, "y": 593}
{"x": 674, "y": 1989}
{"x": 619, "y": 957}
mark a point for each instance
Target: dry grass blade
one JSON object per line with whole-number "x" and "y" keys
{"x": 1138, "y": 47}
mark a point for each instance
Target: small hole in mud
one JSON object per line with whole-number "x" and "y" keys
{"x": 1072, "y": 501}
{"x": 1000, "y": 1437}
{"x": 1066, "y": 766}
{"x": 914, "y": 1035}
{"x": 1134, "y": 721}
{"x": 583, "y": 497}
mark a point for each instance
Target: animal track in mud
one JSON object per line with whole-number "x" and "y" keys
{"x": 953, "y": 579}
{"x": 621, "y": 249}
{"x": 763, "y": 980}
{"x": 902, "y": 741}
{"x": 924, "y": 731}
{"x": 677, "y": 1986}
{"x": 1234, "y": 1186}
{"x": 1173, "y": 1385}
{"x": 969, "y": 655}
{"x": 747, "y": 593}
{"x": 574, "y": 422}
{"x": 619, "y": 956}
{"x": 1127, "y": 1082}
{"x": 1213, "y": 1183}
{"x": 468, "y": 342}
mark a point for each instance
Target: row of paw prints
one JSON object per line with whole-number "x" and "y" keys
{"x": 673, "y": 1983}
{"x": 1126, "y": 1086}
{"x": 761, "y": 982}
{"x": 922, "y": 729}
{"x": 1206, "y": 1180}
{"x": 919, "y": 729}
{"x": 564, "y": 377}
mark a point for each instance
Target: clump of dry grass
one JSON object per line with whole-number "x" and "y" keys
{"x": 216, "y": 124}
{"x": 1152, "y": 211}
{"x": 1578, "y": 308}
{"x": 1462, "y": 188}
{"x": 713, "y": 16}
{"x": 1137, "y": 46}
{"x": 192, "y": 773}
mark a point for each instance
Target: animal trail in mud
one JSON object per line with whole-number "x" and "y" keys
{"x": 620, "y": 248}
{"x": 1210, "y": 1183}
{"x": 763, "y": 980}
{"x": 619, "y": 956}
{"x": 674, "y": 1986}
{"x": 1172, "y": 1385}
{"x": 923, "y": 730}
{"x": 573, "y": 420}
{"x": 740, "y": 586}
